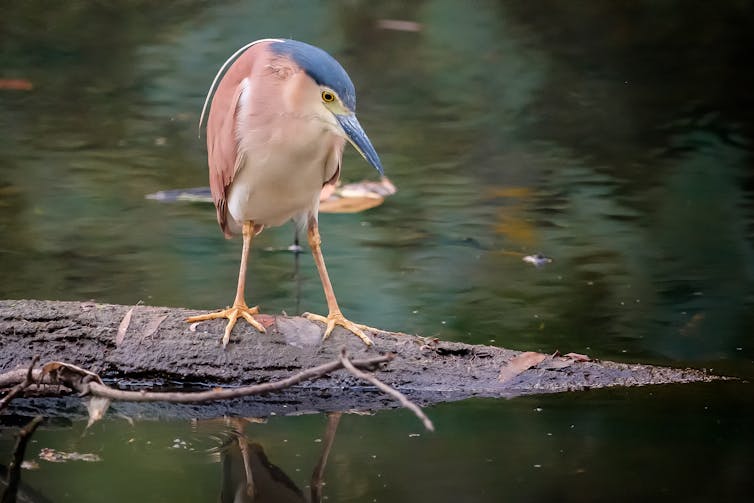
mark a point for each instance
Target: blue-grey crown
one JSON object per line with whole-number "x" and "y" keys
{"x": 321, "y": 67}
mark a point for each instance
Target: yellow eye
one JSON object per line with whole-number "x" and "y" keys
{"x": 328, "y": 96}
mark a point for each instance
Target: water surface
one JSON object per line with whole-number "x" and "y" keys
{"x": 614, "y": 138}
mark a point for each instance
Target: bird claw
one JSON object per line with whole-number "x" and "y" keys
{"x": 232, "y": 314}
{"x": 337, "y": 318}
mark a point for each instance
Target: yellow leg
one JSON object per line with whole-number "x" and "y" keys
{"x": 239, "y": 304}
{"x": 334, "y": 317}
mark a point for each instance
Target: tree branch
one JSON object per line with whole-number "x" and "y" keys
{"x": 88, "y": 383}
{"x": 28, "y": 381}
{"x": 351, "y": 367}
{"x": 102, "y": 390}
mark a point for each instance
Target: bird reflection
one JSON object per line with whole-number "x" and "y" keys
{"x": 248, "y": 476}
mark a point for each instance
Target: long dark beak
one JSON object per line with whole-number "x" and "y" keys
{"x": 359, "y": 140}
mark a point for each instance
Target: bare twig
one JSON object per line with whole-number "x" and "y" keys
{"x": 105, "y": 391}
{"x": 16, "y": 376}
{"x": 351, "y": 367}
{"x": 88, "y": 383}
{"x": 14, "y": 469}
{"x": 28, "y": 381}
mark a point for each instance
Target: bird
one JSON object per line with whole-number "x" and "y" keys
{"x": 279, "y": 113}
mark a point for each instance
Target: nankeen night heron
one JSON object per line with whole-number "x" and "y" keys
{"x": 280, "y": 113}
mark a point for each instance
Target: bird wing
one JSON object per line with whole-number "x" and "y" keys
{"x": 223, "y": 155}
{"x": 223, "y": 99}
{"x": 230, "y": 60}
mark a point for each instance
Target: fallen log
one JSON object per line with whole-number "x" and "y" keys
{"x": 144, "y": 347}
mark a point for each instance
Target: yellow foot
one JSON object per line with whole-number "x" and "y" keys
{"x": 337, "y": 318}
{"x": 232, "y": 314}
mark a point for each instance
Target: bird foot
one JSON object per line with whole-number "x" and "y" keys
{"x": 337, "y": 318}
{"x": 232, "y": 314}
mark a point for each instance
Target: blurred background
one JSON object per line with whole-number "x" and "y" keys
{"x": 613, "y": 137}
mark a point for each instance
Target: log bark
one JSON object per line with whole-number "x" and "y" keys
{"x": 143, "y": 346}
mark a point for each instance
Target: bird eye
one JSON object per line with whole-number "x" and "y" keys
{"x": 328, "y": 97}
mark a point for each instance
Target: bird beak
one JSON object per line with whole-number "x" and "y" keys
{"x": 358, "y": 138}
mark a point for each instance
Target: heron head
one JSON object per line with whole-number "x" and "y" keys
{"x": 336, "y": 93}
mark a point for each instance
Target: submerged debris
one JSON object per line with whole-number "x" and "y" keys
{"x": 537, "y": 260}
{"x": 55, "y": 456}
{"x": 347, "y": 198}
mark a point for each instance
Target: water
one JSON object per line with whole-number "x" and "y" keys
{"x": 616, "y": 139}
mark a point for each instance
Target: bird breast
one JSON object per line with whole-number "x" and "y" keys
{"x": 284, "y": 160}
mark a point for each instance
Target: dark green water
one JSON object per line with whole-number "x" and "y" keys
{"x": 615, "y": 138}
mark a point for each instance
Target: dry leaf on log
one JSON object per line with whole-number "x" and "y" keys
{"x": 123, "y": 327}
{"x": 519, "y": 364}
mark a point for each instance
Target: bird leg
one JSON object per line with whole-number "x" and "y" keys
{"x": 239, "y": 304}
{"x": 334, "y": 317}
